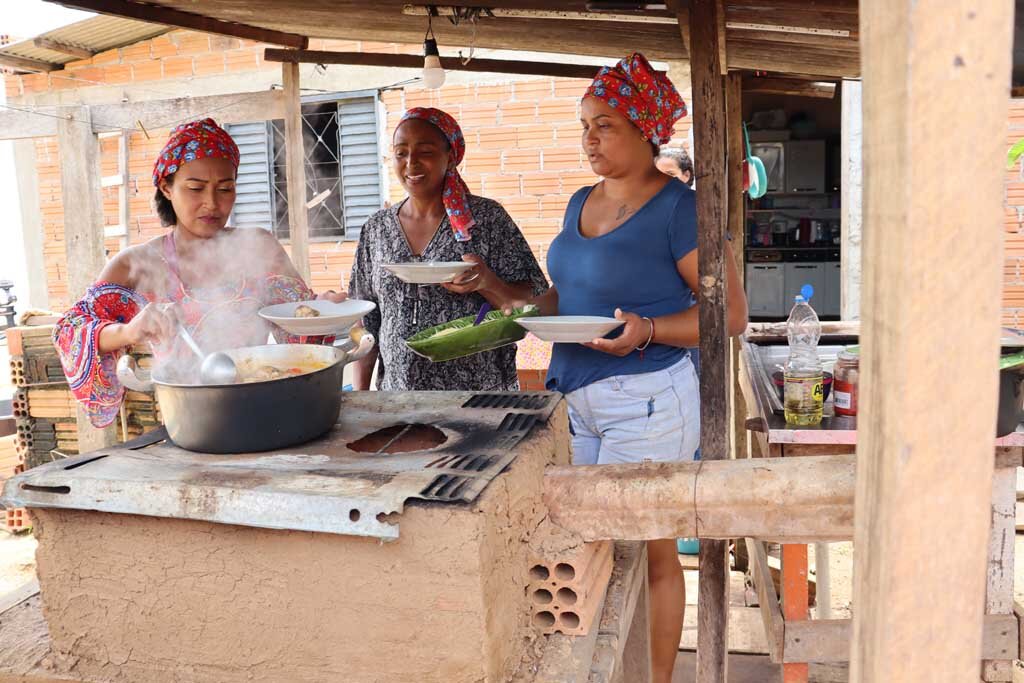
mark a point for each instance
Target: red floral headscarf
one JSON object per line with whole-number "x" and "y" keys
{"x": 456, "y": 192}
{"x": 191, "y": 141}
{"x": 641, "y": 94}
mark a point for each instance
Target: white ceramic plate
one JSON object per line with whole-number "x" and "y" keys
{"x": 428, "y": 273}
{"x": 578, "y": 329}
{"x": 333, "y": 319}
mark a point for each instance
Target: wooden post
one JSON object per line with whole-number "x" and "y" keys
{"x": 83, "y": 228}
{"x": 1000, "y": 571}
{"x": 636, "y": 655}
{"x": 822, "y": 581}
{"x": 123, "y": 210}
{"x": 736, "y": 218}
{"x": 924, "y": 444}
{"x": 852, "y": 200}
{"x": 295, "y": 170}
{"x": 709, "y": 128}
{"x": 791, "y": 500}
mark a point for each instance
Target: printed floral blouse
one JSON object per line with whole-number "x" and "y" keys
{"x": 404, "y": 309}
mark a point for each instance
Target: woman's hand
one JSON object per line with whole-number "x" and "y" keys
{"x": 154, "y": 323}
{"x": 636, "y": 332}
{"x": 479, "y": 277}
{"x": 333, "y": 297}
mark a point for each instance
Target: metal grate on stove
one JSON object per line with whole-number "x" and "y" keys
{"x": 511, "y": 401}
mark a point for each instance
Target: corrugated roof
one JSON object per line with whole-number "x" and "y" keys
{"x": 96, "y": 34}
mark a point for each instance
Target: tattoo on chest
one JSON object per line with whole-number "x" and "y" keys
{"x": 624, "y": 211}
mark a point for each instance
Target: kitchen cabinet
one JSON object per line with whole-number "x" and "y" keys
{"x": 805, "y": 166}
{"x": 832, "y": 305}
{"x": 764, "y": 284}
{"x": 799, "y": 274}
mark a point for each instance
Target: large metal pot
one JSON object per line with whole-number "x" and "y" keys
{"x": 257, "y": 416}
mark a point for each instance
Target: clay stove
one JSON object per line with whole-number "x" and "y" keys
{"x": 396, "y": 548}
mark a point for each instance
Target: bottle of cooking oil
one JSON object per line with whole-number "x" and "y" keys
{"x": 803, "y": 396}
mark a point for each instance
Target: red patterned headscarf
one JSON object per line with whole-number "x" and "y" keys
{"x": 191, "y": 141}
{"x": 456, "y": 192}
{"x": 641, "y": 94}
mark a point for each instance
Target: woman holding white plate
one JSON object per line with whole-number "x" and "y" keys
{"x": 628, "y": 250}
{"x": 439, "y": 228}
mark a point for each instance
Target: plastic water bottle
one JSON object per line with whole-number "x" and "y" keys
{"x": 803, "y": 396}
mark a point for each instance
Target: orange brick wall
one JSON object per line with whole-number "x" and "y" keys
{"x": 522, "y": 136}
{"x": 1013, "y": 224}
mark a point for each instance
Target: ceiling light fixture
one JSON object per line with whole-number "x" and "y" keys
{"x": 433, "y": 72}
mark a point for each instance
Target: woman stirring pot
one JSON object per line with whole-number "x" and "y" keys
{"x": 203, "y": 275}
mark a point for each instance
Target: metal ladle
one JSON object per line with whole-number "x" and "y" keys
{"x": 216, "y": 368}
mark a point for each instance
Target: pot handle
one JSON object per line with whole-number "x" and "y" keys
{"x": 364, "y": 342}
{"x": 128, "y": 375}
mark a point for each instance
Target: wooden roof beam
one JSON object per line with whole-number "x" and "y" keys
{"x": 797, "y": 87}
{"x": 65, "y": 48}
{"x": 505, "y": 66}
{"x": 157, "y": 14}
{"x": 26, "y": 64}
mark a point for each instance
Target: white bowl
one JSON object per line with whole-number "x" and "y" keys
{"x": 428, "y": 273}
{"x": 333, "y": 319}
{"x": 578, "y": 329}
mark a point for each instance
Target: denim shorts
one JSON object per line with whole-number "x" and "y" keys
{"x": 653, "y": 416}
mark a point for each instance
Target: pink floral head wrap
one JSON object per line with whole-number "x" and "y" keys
{"x": 644, "y": 96}
{"x": 191, "y": 141}
{"x": 456, "y": 192}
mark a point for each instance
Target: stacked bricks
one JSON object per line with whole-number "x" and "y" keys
{"x": 34, "y": 359}
{"x": 46, "y": 411}
{"x": 16, "y": 519}
{"x": 10, "y": 464}
{"x": 566, "y": 592}
{"x": 43, "y": 406}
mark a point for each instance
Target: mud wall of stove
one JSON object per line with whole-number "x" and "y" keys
{"x": 132, "y": 598}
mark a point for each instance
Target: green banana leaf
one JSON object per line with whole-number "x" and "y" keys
{"x": 1015, "y": 153}
{"x": 496, "y": 330}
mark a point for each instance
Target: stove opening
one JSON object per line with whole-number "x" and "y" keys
{"x": 400, "y": 438}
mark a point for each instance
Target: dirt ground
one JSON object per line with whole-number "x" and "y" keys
{"x": 17, "y": 561}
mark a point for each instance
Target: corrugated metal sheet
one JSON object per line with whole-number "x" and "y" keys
{"x": 96, "y": 34}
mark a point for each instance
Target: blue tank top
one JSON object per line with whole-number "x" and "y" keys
{"x": 633, "y": 268}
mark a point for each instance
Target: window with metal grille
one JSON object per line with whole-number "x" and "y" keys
{"x": 342, "y": 169}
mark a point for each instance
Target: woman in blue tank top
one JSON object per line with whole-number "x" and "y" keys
{"x": 628, "y": 248}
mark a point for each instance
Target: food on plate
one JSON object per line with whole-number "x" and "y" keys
{"x": 304, "y": 311}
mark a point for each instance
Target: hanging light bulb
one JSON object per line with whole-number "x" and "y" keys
{"x": 433, "y": 73}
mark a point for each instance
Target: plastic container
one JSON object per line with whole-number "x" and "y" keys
{"x": 846, "y": 374}
{"x": 804, "y": 377}
{"x": 687, "y": 546}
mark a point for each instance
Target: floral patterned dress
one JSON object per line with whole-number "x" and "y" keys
{"x": 221, "y": 317}
{"x": 404, "y": 309}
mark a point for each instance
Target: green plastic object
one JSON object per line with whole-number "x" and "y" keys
{"x": 758, "y": 176}
{"x": 496, "y": 330}
{"x": 1013, "y": 361}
